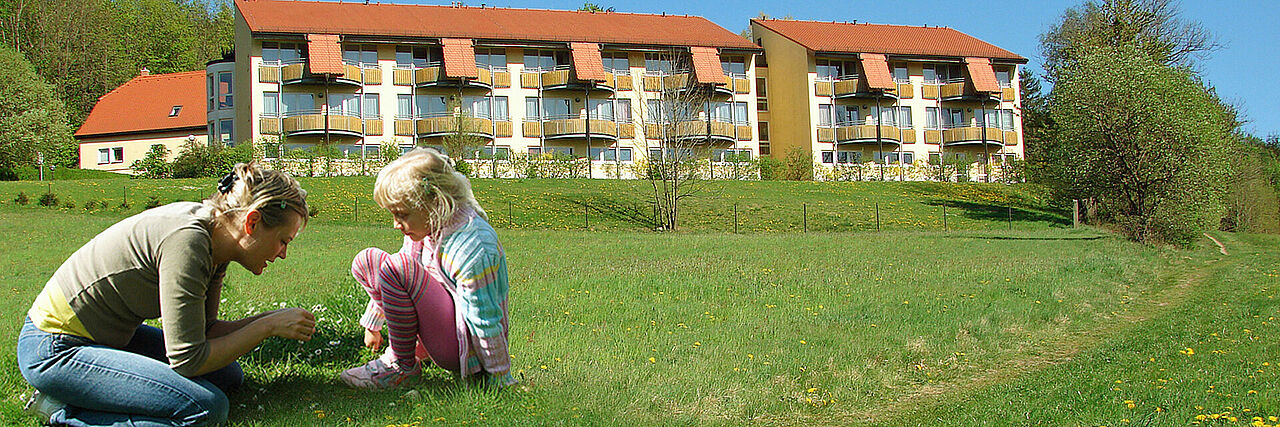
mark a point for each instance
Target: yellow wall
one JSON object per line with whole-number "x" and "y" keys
{"x": 135, "y": 148}
{"x": 789, "y": 92}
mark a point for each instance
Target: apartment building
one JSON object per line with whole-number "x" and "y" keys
{"x": 166, "y": 109}
{"x": 356, "y": 76}
{"x": 856, "y": 93}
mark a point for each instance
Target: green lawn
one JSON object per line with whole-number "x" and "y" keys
{"x": 979, "y": 326}
{"x": 546, "y": 204}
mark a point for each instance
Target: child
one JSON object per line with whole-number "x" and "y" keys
{"x": 444, "y": 295}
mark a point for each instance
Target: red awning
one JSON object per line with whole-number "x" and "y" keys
{"x": 984, "y": 79}
{"x": 587, "y": 64}
{"x": 876, "y": 68}
{"x": 459, "y": 58}
{"x": 324, "y": 55}
{"x": 706, "y": 65}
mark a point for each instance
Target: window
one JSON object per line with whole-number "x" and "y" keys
{"x": 1004, "y": 77}
{"x": 544, "y": 60}
{"x": 270, "y": 104}
{"x": 740, "y": 116}
{"x": 404, "y": 106}
{"x": 110, "y": 155}
{"x": 824, "y": 115}
{"x": 900, "y": 74}
{"x": 344, "y": 104}
{"x": 174, "y": 112}
{"x": 990, "y": 118}
{"x": 760, "y": 60}
{"x": 1006, "y": 119}
{"x": 532, "y": 111}
{"x": 429, "y": 106}
{"x": 370, "y": 107}
{"x": 493, "y": 59}
{"x": 224, "y": 90}
{"x": 417, "y": 56}
{"x": 224, "y": 132}
{"x": 731, "y": 155}
{"x": 567, "y": 151}
{"x": 953, "y": 118}
{"x": 764, "y": 131}
{"x": 600, "y": 109}
{"x": 274, "y": 53}
{"x": 904, "y": 117}
{"x": 826, "y": 157}
{"x": 611, "y": 154}
{"x": 849, "y": 156}
{"x": 734, "y": 65}
{"x": 931, "y": 118}
{"x": 364, "y": 55}
{"x": 212, "y": 93}
{"x": 655, "y": 110}
{"x": 887, "y": 116}
{"x": 622, "y": 110}
{"x": 546, "y": 108}
{"x": 500, "y": 112}
{"x": 494, "y": 108}
{"x": 948, "y": 73}
{"x": 616, "y": 63}
{"x": 298, "y": 103}
{"x": 658, "y": 64}
{"x": 762, "y": 95}
{"x": 487, "y": 152}
{"x": 935, "y": 158}
{"x": 831, "y": 70}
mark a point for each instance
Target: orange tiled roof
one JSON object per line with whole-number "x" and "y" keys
{"x": 706, "y": 65}
{"x": 984, "y": 79}
{"x": 876, "y": 69}
{"x": 302, "y": 17}
{"x": 324, "y": 54}
{"x": 459, "y": 58}
{"x": 886, "y": 39}
{"x": 587, "y": 64}
{"x": 144, "y": 103}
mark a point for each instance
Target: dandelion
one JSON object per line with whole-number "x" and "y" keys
{"x": 1130, "y": 404}
{"x": 812, "y": 390}
{"x": 652, "y": 360}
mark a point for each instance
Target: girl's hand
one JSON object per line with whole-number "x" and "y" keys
{"x": 291, "y": 323}
{"x": 373, "y": 339}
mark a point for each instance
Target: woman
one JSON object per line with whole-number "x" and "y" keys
{"x": 83, "y": 342}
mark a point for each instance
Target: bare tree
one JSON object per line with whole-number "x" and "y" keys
{"x": 677, "y": 124}
{"x": 463, "y": 139}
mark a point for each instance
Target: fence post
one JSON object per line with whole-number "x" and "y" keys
{"x": 1010, "y": 218}
{"x": 877, "y": 216}
{"x": 1075, "y": 213}
{"x": 735, "y": 218}
{"x": 510, "y": 218}
{"x": 944, "y": 217}
{"x": 126, "y": 197}
{"x": 804, "y": 209}
{"x": 586, "y": 218}
{"x": 355, "y": 204}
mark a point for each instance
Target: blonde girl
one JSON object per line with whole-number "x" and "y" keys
{"x": 443, "y": 297}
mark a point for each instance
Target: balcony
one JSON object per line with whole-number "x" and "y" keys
{"x": 297, "y": 73}
{"x": 433, "y": 75}
{"x": 683, "y": 80}
{"x": 698, "y": 129}
{"x": 561, "y": 78}
{"x": 446, "y": 124}
{"x": 312, "y": 122}
{"x": 563, "y": 127}
{"x": 854, "y": 87}
{"x": 863, "y": 132}
{"x": 974, "y": 135}
{"x": 956, "y": 90}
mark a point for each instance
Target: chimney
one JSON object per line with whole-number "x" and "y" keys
{"x": 144, "y": 72}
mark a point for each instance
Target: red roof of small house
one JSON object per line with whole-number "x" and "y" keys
{"x": 886, "y": 39}
{"x": 145, "y": 104}
{"x": 492, "y": 23}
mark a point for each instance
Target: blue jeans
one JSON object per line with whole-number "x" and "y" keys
{"x": 130, "y": 386}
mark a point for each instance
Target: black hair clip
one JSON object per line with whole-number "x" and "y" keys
{"x": 227, "y": 182}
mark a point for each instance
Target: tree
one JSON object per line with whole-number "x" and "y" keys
{"x": 677, "y": 137}
{"x": 592, "y": 7}
{"x": 463, "y": 139}
{"x": 1153, "y": 28}
{"x": 1147, "y": 139}
{"x": 154, "y": 164}
{"x": 31, "y": 119}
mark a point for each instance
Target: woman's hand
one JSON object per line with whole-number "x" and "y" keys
{"x": 291, "y": 323}
{"x": 373, "y": 339}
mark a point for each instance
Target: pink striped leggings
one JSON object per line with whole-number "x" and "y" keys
{"x": 418, "y": 309}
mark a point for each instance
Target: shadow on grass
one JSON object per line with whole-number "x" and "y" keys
{"x": 1023, "y": 237}
{"x": 992, "y": 212}
{"x": 619, "y": 210}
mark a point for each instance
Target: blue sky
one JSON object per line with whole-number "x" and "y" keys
{"x": 1241, "y": 71}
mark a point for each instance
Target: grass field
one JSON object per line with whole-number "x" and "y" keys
{"x": 762, "y": 206}
{"x": 1039, "y": 325}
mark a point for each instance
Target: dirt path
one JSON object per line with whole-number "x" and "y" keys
{"x": 1061, "y": 351}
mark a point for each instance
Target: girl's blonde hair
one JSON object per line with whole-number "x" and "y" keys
{"x": 272, "y": 193}
{"x": 424, "y": 179}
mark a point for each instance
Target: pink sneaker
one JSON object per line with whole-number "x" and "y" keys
{"x": 377, "y": 375}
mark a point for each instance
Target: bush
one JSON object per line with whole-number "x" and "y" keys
{"x": 797, "y": 165}
{"x": 90, "y": 205}
{"x": 49, "y": 199}
{"x": 313, "y": 210}
{"x": 153, "y": 165}
{"x": 770, "y": 168}
{"x": 462, "y": 166}
{"x": 69, "y": 204}
{"x": 22, "y": 198}
{"x": 205, "y": 161}
{"x": 152, "y": 202}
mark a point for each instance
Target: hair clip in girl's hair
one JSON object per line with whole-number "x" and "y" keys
{"x": 284, "y": 204}
{"x": 227, "y": 182}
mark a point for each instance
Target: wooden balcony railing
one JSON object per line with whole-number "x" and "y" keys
{"x": 314, "y": 123}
